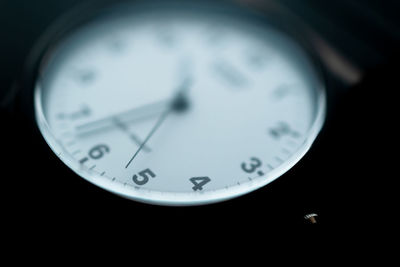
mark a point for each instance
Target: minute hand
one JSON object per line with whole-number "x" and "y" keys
{"x": 178, "y": 103}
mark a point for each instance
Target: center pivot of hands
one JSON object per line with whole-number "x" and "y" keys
{"x": 180, "y": 103}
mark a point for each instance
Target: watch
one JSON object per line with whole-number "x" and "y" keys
{"x": 178, "y": 103}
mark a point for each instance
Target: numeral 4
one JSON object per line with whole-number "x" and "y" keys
{"x": 199, "y": 182}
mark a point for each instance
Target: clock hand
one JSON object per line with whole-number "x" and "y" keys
{"x": 178, "y": 104}
{"x": 137, "y": 113}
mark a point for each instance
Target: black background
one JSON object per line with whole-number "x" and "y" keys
{"x": 348, "y": 178}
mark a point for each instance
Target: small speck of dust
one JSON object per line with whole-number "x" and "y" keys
{"x": 102, "y": 173}
{"x": 113, "y": 179}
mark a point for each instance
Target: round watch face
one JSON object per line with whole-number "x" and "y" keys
{"x": 178, "y": 106}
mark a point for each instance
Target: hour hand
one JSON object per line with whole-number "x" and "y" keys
{"x": 178, "y": 103}
{"x": 135, "y": 114}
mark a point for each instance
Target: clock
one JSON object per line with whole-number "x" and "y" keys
{"x": 178, "y": 104}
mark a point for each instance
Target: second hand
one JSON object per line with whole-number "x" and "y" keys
{"x": 153, "y": 130}
{"x": 179, "y": 103}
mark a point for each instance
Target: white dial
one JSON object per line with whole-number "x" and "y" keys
{"x": 178, "y": 108}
